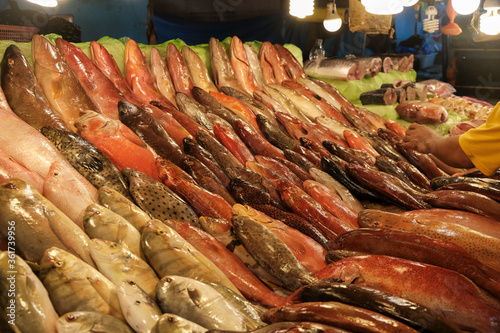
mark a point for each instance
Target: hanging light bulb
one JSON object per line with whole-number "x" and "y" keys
{"x": 44, "y": 3}
{"x": 465, "y": 7}
{"x": 431, "y": 24}
{"x": 489, "y": 23}
{"x": 408, "y": 3}
{"x": 332, "y": 21}
{"x": 382, "y": 7}
{"x": 301, "y": 8}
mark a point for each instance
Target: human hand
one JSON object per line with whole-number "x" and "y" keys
{"x": 421, "y": 138}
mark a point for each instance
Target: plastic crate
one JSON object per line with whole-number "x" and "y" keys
{"x": 17, "y": 33}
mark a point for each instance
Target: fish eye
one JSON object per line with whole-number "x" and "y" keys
{"x": 71, "y": 317}
{"x": 58, "y": 263}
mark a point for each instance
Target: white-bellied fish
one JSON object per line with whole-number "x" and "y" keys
{"x": 172, "y": 323}
{"x": 90, "y": 322}
{"x": 199, "y": 72}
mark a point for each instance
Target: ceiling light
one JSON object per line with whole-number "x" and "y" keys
{"x": 465, "y": 7}
{"x": 332, "y": 22}
{"x": 408, "y": 3}
{"x": 301, "y": 8}
{"x": 382, "y": 7}
{"x": 44, "y": 3}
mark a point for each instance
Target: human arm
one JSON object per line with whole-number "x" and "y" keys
{"x": 425, "y": 140}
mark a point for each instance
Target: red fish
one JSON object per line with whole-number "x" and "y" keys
{"x": 138, "y": 75}
{"x": 179, "y": 71}
{"x": 238, "y": 107}
{"x": 304, "y": 205}
{"x": 279, "y": 168}
{"x": 310, "y": 254}
{"x": 203, "y": 201}
{"x": 441, "y": 290}
{"x": 292, "y": 66}
{"x": 356, "y": 141}
{"x": 257, "y": 143}
{"x": 98, "y": 87}
{"x": 271, "y": 56}
{"x": 118, "y": 142}
{"x": 233, "y": 143}
{"x": 246, "y": 282}
{"x": 331, "y": 201}
{"x": 241, "y": 66}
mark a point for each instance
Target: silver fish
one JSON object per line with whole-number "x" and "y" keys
{"x": 90, "y": 322}
{"x": 198, "y": 302}
{"x": 24, "y": 300}
{"x": 117, "y": 263}
{"x": 337, "y": 69}
{"x": 172, "y": 323}
{"x": 140, "y": 310}
{"x": 304, "y": 104}
{"x": 103, "y": 223}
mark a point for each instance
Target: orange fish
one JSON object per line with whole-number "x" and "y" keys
{"x": 233, "y": 143}
{"x": 118, "y": 142}
{"x": 179, "y": 72}
{"x": 238, "y": 107}
{"x": 356, "y": 141}
{"x": 271, "y": 56}
{"x": 241, "y": 66}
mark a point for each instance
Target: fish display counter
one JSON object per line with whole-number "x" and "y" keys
{"x": 219, "y": 187}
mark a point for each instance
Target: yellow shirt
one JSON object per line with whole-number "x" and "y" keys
{"x": 482, "y": 144}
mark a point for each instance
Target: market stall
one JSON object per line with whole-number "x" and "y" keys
{"x": 237, "y": 186}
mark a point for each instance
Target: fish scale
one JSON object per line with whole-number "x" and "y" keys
{"x": 157, "y": 199}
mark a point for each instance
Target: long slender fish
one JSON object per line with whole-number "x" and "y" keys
{"x": 241, "y": 66}
{"x": 199, "y": 72}
{"x": 87, "y": 159}
{"x": 62, "y": 89}
{"x": 24, "y": 94}
{"x": 179, "y": 71}
{"x": 161, "y": 76}
{"x": 98, "y": 87}
{"x": 253, "y": 60}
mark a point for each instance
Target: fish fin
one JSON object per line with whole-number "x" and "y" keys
{"x": 90, "y": 162}
{"x": 195, "y": 296}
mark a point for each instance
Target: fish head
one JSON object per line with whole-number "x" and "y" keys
{"x": 15, "y": 64}
{"x": 133, "y": 54}
{"x": 56, "y": 259}
{"x": 17, "y": 189}
{"x": 94, "y": 123}
{"x": 46, "y": 54}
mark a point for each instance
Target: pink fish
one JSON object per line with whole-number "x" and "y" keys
{"x": 179, "y": 72}
{"x": 241, "y": 66}
{"x": 9, "y": 168}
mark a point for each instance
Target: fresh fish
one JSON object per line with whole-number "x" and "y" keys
{"x": 10, "y": 168}
{"x": 123, "y": 206}
{"x": 246, "y": 282}
{"x": 268, "y": 101}
{"x": 337, "y": 69}
{"x": 257, "y": 107}
{"x": 292, "y": 66}
{"x": 417, "y": 247}
{"x": 334, "y": 92}
{"x": 275, "y": 135}
{"x": 486, "y": 225}
{"x": 307, "y": 107}
{"x": 331, "y": 201}
{"x": 179, "y": 71}
{"x": 24, "y": 94}
{"x": 193, "y": 109}
{"x": 39, "y": 224}
{"x": 73, "y": 285}
{"x": 270, "y": 57}
{"x": 277, "y": 258}
{"x": 118, "y": 264}
{"x": 241, "y": 66}
{"x": 150, "y": 131}
{"x": 257, "y": 143}
{"x": 407, "y": 312}
{"x": 483, "y": 247}
{"x": 296, "y": 169}
{"x": 89, "y": 322}
{"x": 321, "y": 103}
{"x": 60, "y": 86}
{"x": 138, "y": 75}
{"x": 67, "y": 193}
{"x": 204, "y": 202}
{"x": 391, "y": 167}
{"x": 220, "y": 153}
{"x": 103, "y": 60}
{"x": 123, "y": 147}
{"x": 423, "y": 162}
{"x": 301, "y": 160}
{"x": 99, "y": 88}
{"x": 422, "y": 112}
{"x": 351, "y": 155}
{"x": 222, "y": 71}
{"x": 237, "y": 107}
{"x": 139, "y": 309}
{"x": 433, "y": 287}
{"x": 254, "y": 62}
{"x": 415, "y": 174}
{"x": 318, "y": 90}
{"x": 161, "y": 76}
{"x": 198, "y": 302}
{"x": 388, "y": 186}
{"x": 25, "y": 302}
{"x": 279, "y": 168}
{"x": 330, "y": 182}
{"x": 357, "y": 141}
{"x": 87, "y": 159}
{"x": 310, "y": 254}
{"x": 233, "y": 143}
{"x": 156, "y": 199}
{"x": 101, "y": 222}
{"x": 337, "y": 314}
{"x": 199, "y": 72}
{"x": 169, "y": 322}
{"x": 170, "y": 254}
{"x": 214, "y": 106}
{"x": 193, "y": 148}
{"x": 206, "y": 178}
{"x": 332, "y": 125}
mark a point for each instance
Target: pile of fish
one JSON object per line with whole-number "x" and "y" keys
{"x": 356, "y": 68}
{"x": 248, "y": 198}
